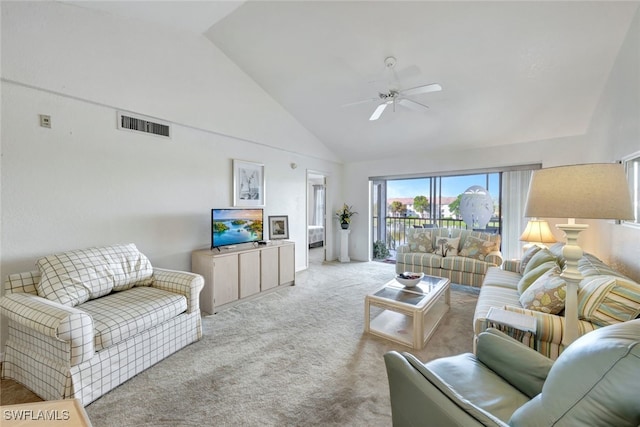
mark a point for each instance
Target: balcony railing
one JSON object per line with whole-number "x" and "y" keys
{"x": 397, "y": 227}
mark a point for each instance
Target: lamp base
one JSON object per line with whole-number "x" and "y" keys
{"x": 572, "y": 252}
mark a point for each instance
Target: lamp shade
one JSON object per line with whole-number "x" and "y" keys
{"x": 596, "y": 191}
{"x": 537, "y": 231}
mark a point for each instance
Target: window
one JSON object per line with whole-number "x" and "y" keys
{"x": 402, "y": 202}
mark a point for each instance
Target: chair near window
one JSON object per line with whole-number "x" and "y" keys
{"x": 595, "y": 381}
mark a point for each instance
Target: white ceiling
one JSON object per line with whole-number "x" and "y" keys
{"x": 511, "y": 72}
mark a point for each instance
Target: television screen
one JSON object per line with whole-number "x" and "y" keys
{"x": 235, "y": 226}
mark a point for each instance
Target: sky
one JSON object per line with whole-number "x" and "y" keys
{"x": 451, "y": 186}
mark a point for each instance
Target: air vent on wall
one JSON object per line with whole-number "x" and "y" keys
{"x": 143, "y": 124}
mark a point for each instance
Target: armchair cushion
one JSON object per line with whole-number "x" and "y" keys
{"x": 121, "y": 315}
{"x": 415, "y": 401}
{"x": 472, "y": 386}
{"x": 74, "y": 277}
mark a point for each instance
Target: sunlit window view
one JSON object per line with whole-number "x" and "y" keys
{"x": 464, "y": 201}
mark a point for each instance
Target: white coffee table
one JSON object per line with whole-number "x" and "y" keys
{"x": 409, "y": 316}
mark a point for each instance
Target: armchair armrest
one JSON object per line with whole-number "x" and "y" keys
{"x": 49, "y": 318}
{"x": 521, "y": 366}
{"x": 494, "y": 257}
{"x": 180, "y": 282}
{"x": 512, "y": 265}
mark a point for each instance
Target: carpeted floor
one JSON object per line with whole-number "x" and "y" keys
{"x": 292, "y": 357}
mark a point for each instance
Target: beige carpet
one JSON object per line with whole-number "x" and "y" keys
{"x": 295, "y": 357}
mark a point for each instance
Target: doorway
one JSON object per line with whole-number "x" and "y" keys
{"x": 316, "y": 217}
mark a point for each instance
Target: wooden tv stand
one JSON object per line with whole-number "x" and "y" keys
{"x": 231, "y": 275}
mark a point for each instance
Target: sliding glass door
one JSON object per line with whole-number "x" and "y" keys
{"x": 477, "y": 200}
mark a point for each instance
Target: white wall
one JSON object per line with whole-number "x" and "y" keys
{"x": 616, "y": 126}
{"x": 84, "y": 183}
{"x": 146, "y": 68}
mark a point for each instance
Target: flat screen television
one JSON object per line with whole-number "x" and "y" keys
{"x": 235, "y": 226}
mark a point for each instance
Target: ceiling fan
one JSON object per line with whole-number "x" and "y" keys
{"x": 394, "y": 96}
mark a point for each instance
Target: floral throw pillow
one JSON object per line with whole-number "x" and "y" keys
{"x": 474, "y": 247}
{"x": 546, "y": 294}
{"x": 419, "y": 240}
{"x": 447, "y": 246}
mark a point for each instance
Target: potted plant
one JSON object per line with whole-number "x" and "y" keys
{"x": 344, "y": 215}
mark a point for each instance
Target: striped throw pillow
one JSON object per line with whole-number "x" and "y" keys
{"x": 606, "y": 300}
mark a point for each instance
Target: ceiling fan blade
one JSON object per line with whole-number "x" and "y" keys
{"x": 434, "y": 87}
{"x": 364, "y": 101}
{"x": 378, "y": 112}
{"x": 413, "y": 105}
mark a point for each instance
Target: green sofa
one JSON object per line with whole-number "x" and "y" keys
{"x": 594, "y": 382}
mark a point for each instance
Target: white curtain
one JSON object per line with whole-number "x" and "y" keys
{"x": 515, "y": 186}
{"x": 318, "y": 204}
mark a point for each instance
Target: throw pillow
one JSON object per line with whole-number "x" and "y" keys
{"x": 419, "y": 240}
{"x": 474, "y": 247}
{"x": 533, "y": 275}
{"x": 540, "y": 257}
{"x": 447, "y": 246}
{"x": 546, "y": 294}
{"x": 605, "y": 300}
{"x": 74, "y": 277}
{"x": 527, "y": 257}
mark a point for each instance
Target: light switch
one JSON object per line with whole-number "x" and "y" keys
{"x": 45, "y": 121}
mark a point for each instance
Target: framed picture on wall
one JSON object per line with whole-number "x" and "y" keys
{"x": 248, "y": 183}
{"x": 278, "y": 227}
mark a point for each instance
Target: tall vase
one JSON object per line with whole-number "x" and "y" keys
{"x": 344, "y": 225}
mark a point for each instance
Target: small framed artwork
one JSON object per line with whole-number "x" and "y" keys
{"x": 248, "y": 183}
{"x": 278, "y": 227}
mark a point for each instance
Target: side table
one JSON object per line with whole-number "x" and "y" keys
{"x": 517, "y": 325}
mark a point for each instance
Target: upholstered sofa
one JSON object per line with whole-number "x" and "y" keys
{"x": 595, "y": 382}
{"x": 464, "y": 256}
{"x": 88, "y": 320}
{"x": 532, "y": 286}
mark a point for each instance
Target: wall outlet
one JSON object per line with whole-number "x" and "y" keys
{"x": 45, "y": 121}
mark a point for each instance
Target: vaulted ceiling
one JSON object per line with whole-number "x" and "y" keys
{"x": 510, "y": 72}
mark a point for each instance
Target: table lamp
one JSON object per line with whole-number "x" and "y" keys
{"x": 538, "y": 233}
{"x": 587, "y": 191}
